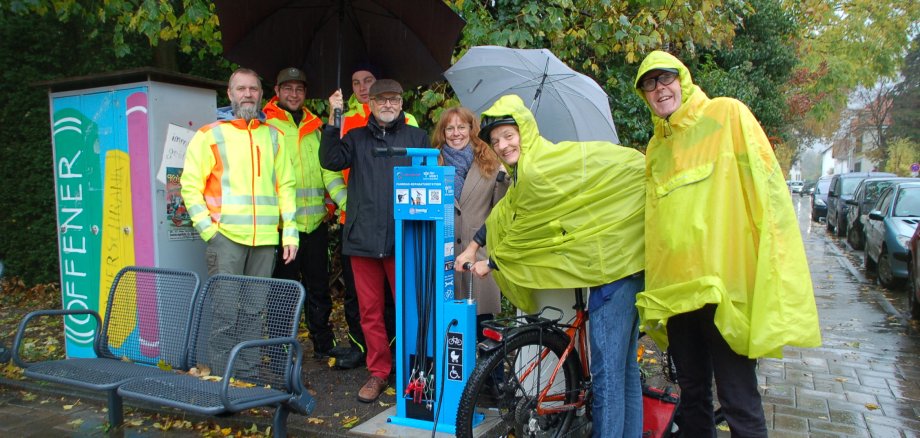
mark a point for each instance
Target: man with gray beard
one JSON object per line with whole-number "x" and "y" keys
{"x": 238, "y": 184}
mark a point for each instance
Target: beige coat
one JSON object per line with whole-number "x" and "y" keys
{"x": 480, "y": 194}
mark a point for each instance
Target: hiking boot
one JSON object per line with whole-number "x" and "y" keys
{"x": 353, "y": 359}
{"x": 372, "y": 389}
{"x": 341, "y": 350}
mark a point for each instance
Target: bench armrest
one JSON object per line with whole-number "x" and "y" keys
{"x": 296, "y": 383}
{"x": 20, "y": 333}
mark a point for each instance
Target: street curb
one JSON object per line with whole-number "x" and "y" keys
{"x": 99, "y": 398}
{"x": 873, "y": 292}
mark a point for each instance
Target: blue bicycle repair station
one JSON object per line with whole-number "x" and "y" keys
{"x": 436, "y": 333}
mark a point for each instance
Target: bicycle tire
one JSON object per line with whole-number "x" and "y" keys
{"x": 505, "y": 401}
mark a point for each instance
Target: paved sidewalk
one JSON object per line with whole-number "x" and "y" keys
{"x": 863, "y": 382}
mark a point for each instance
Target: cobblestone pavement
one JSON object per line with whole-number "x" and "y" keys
{"x": 862, "y": 382}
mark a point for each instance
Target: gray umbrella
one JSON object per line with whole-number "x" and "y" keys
{"x": 567, "y": 105}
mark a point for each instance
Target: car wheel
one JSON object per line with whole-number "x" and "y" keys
{"x": 869, "y": 264}
{"x": 841, "y": 227}
{"x": 912, "y": 290}
{"x": 854, "y": 238}
{"x": 885, "y": 274}
{"x": 814, "y": 216}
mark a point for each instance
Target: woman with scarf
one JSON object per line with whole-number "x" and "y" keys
{"x": 479, "y": 182}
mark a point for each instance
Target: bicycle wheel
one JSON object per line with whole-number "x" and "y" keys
{"x": 502, "y": 391}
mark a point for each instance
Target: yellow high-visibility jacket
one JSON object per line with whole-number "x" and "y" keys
{"x": 573, "y": 216}
{"x": 238, "y": 181}
{"x": 720, "y": 227}
{"x": 311, "y": 180}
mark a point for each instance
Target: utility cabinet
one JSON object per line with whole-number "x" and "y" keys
{"x": 116, "y": 202}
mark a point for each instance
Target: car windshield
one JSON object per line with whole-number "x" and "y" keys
{"x": 875, "y": 188}
{"x": 823, "y": 185}
{"x": 849, "y": 185}
{"x": 908, "y": 203}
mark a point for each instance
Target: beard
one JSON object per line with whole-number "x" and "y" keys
{"x": 386, "y": 118}
{"x": 247, "y": 111}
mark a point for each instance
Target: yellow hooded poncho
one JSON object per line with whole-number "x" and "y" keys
{"x": 573, "y": 216}
{"x": 720, "y": 227}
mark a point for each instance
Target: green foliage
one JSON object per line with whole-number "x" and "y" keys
{"x": 902, "y": 153}
{"x": 905, "y": 110}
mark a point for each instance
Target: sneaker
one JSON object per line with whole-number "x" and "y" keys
{"x": 372, "y": 389}
{"x": 353, "y": 359}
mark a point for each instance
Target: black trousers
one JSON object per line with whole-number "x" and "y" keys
{"x": 311, "y": 267}
{"x": 699, "y": 351}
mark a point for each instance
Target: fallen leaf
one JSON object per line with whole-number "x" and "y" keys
{"x": 68, "y": 407}
{"x": 226, "y": 431}
{"x": 331, "y": 362}
{"x": 383, "y": 404}
{"x": 841, "y": 379}
{"x": 722, "y": 426}
{"x": 350, "y": 421}
{"x": 134, "y": 423}
{"x": 75, "y": 423}
{"x": 29, "y": 396}
{"x": 314, "y": 420}
{"x": 212, "y": 378}
{"x": 872, "y": 406}
{"x": 163, "y": 365}
{"x": 390, "y": 391}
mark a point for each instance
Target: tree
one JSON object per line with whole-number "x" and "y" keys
{"x": 842, "y": 46}
{"x": 905, "y": 99}
{"x": 901, "y": 154}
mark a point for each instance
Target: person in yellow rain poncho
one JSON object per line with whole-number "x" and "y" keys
{"x": 726, "y": 276}
{"x": 573, "y": 217}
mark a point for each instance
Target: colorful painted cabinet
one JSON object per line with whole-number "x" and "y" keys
{"x": 108, "y": 135}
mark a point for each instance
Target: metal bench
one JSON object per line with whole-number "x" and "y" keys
{"x": 243, "y": 330}
{"x": 143, "y": 332}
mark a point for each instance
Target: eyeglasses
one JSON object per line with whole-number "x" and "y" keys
{"x": 293, "y": 90}
{"x": 390, "y": 100}
{"x": 650, "y": 84}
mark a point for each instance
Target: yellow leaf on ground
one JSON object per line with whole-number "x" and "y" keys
{"x": 331, "y": 362}
{"x": 350, "y": 421}
{"x": 226, "y": 431}
{"x": 722, "y": 426}
{"x": 871, "y": 406}
{"x": 212, "y": 378}
{"x": 163, "y": 365}
{"x": 75, "y": 423}
{"x": 314, "y": 420}
{"x": 134, "y": 423}
{"x": 390, "y": 391}
{"x": 68, "y": 407}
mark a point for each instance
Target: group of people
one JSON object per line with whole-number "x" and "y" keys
{"x": 695, "y": 243}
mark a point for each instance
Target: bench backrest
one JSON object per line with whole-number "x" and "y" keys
{"x": 147, "y": 316}
{"x": 233, "y": 308}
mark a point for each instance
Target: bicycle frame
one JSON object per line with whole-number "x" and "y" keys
{"x": 578, "y": 341}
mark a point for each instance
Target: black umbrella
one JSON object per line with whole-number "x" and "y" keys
{"x": 408, "y": 40}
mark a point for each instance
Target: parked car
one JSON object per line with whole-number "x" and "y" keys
{"x": 842, "y": 187}
{"x": 892, "y": 221}
{"x": 819, "y": 198}
{"x": 808, "y": 188}
{"x": 796, "y": 186}
{"x": 858, "y": 207}
{"x": 913, "y": 274}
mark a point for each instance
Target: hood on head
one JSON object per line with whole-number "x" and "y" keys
{"x": 512, "y": 105}
{"x": 663, "y": 60}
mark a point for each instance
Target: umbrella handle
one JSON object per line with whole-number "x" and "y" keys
{"x": 337, "y": 118}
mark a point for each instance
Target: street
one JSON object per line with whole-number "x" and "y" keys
{"x": 862, "y": 382}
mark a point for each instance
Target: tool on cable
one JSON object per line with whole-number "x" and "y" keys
{"x": 436, "y": 334}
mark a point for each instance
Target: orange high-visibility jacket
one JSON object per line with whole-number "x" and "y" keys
{"x": 312, "y": 182}
{"x": 238, "y": 181}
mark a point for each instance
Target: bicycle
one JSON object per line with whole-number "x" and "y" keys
{"x": 517, "y": 387}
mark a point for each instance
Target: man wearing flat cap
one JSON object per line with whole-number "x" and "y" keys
{"x": 301, "y": 131}
{"x": 369, "y": 233}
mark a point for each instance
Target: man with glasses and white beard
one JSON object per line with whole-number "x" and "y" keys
{"x": 369, "y": 233}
